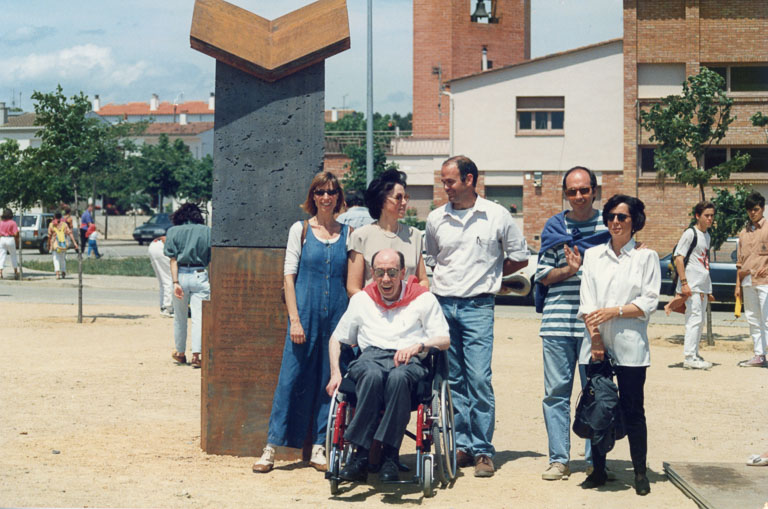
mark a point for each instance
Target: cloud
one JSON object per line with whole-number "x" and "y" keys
{"x": 91, "y": 63}
{"x": 26, "y": 34}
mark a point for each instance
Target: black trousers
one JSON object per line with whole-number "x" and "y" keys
{"x": 380, "y": 386}
{"x": 631, "y": 382}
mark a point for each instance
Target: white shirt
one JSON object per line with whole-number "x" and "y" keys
{"x": 608, "y": 280}
{"x": 468, "y": 252}
{"x": 697, "y": 270}
{"x": 365, "y": 323}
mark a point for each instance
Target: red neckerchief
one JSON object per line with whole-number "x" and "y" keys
{"x": 412, "y": 290}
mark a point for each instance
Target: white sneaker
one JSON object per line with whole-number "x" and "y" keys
{"x": 317, "y": 460}
{"x": 694, "y": 363}
{"x": 266, "y": 462}
{"x": 166, "y": 312}
{"x": 556, "y": 471}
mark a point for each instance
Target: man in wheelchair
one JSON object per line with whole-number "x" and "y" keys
{"x": 394, "y": 323}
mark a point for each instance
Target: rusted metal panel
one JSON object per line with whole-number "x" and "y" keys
{"x": 244, "y": 332}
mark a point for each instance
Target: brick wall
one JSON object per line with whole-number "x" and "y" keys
{"x": 445, "y": 38}
{"x": 335, "y": 163}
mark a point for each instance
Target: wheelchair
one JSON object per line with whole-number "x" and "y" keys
{"x": 434, "y": 435}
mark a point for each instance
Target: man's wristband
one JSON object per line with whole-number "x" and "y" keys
{"x": 683, "y": 282}
{"x": 175, "y": 282}
{"x": 421, "y": 347}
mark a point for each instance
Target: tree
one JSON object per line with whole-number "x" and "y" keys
{"x": 159, "y": 165}
{"x": 196, "y": 180}
{"x": 730, "y": 214}
{"x": 72, "y": 150}
{"x": 685, "y": 126}
{"x": 355, "y": 176}
{"x": 356, "y": 122}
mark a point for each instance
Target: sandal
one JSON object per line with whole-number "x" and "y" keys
{"x": 757, "y": 461}
{"x": 180, "y": 358}
{"x": 196, "y": 363}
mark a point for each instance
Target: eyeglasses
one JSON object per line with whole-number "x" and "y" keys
{"x": 329, "y": 192}
{"x": 573, "y": 192}
{"x": 400, "y": 197}
{"x": 393, "y": 273}
{"x": 610, "y": 217}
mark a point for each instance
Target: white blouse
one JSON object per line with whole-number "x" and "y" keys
{"x": 294, "y": 246}
{"x": 607, "y": 280}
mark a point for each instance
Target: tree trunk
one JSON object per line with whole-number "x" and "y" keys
{"x": 79, "y": 266}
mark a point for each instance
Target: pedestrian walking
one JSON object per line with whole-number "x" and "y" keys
{"x": 188, "y": 245}
{"x": 161, "y": 264}
{"x": 9, "y": 242}
{"x": 58, "y": 233}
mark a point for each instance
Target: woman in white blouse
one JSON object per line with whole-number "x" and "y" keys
{"x": 619, "y": 291}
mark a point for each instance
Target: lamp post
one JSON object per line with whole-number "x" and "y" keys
{"x": 369, "y": 108}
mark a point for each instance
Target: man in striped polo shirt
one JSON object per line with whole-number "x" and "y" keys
{"x": 563, "y": 241}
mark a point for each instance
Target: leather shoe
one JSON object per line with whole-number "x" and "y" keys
{"x": 642, "y": 486}
{"x": 594, "y": 480}
{"x": 355, "y": 471}
{"x": 484, "y": 466}
{"x": 464, "y": 460}
{"x": 389, "y": 471}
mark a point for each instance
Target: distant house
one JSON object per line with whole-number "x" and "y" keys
{"x": 156, "y": 111}
{"x": 19, "y": 127}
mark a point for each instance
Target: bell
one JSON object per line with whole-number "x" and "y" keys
{"x": 480, "y": 11}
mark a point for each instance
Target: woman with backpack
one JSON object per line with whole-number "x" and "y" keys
{"x": 58, "y": 233}
{"x": 619, "y": 290}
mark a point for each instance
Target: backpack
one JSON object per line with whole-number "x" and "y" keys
{"x": 61, "y": 237}
{"x": 672, "y": 270}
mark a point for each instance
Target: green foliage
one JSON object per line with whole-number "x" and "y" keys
{"x": 74, "y": 148}
{"x": 158, "y": 166}
{"x": 760, "y": 120}
{"x": 684, "y": 126}
{"x": 355, "y": 176}
{"x": 730, "y": 214}
{"x": 196, "y": 180}
{"x": 132, "y": 266}
{"x": 411, "y": 219}
{"x": 356, "y": 122}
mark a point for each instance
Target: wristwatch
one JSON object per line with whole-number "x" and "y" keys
{"x": 621, "y": 311}
{"x": 421, "y": 347}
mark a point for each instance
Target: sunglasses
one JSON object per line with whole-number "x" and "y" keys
{"x": 573, "y": 192}
{"x": 400, "y": 197}
{"x": 389, "y": 272}
{"x": 329, "y": 192}
{"x": 610, "y": 217}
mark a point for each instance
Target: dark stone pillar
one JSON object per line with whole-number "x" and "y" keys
{"x": 268, "y": 144}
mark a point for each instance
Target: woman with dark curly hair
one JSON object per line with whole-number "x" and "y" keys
{"x": 188, "y": 245}
{"x": 387, "y": 200}
{"x": 619, "y": 290}
{"x": 315, "y": 297}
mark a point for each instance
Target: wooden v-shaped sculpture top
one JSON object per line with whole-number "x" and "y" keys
{"x": 270, "y": 50}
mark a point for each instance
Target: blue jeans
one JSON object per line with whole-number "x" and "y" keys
{"x": 561, "y": 355}
{"x": 196, "y": 290}
{"x": 469, "y": 360}
{"x": 93, "y": 246}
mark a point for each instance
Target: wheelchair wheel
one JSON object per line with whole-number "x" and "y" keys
{"x": 427, "y": 481}
{"x": 335, "y": 456}
{"x": 447, "y": 433}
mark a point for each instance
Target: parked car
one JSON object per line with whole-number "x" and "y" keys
{"x": 722, "y": 270}
{"x": 156, "y": 227}
{"x": 34, "y": 230}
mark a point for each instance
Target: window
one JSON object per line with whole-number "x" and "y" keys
{"x": 646, "y": 160}
{"x": 540, "y": 116}
{"x": 743, "y": 78}
{"x": 509, "y": 197}
{"x": 714, "y": 157}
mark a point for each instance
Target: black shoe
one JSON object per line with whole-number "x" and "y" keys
{"x": 642, "y": 486}
{"x": 594, "y": 480}
{"x": 356, "y": 470}
{"x": 389, "y": 471}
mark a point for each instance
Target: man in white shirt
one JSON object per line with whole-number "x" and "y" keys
{"x": 470, "y": 241}
{"x": 394, "y": 323}
{"x": 694, "y": 281}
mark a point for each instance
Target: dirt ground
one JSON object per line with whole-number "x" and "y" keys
{"x": 97, "y": 414}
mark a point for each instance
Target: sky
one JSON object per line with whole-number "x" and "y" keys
{"x": 126, "y": 50}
